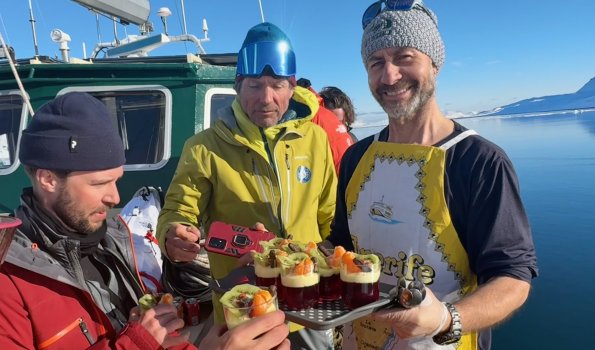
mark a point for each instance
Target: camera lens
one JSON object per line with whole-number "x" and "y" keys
{"x": 217, "y": 243}
{"x": 241, "y": 240}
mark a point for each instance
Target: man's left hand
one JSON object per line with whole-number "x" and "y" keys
{"x": 422, "y": 320}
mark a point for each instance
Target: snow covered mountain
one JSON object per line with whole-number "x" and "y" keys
{"x": 582, "y": 99}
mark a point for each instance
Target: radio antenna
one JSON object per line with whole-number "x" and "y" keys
{"x": 184, "y": 16}
{"x": 32, "y": 20}
{"x": 261, "y": 12}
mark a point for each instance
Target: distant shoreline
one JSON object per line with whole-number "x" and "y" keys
{"x": 531, "y": 114}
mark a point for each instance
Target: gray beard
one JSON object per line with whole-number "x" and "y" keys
{"x": 409, "y": 110}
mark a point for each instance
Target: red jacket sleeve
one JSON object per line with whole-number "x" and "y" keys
{"x": 134, "y": 336}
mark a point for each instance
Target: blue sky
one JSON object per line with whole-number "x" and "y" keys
{"x": 497, "y": 52}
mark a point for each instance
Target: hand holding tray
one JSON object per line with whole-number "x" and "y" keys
{"x": 325, "y": 314}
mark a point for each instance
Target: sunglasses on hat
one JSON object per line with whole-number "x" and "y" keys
{"x": 393, "y": 5}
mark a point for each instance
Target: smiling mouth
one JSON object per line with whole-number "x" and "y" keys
{"x": 395, "y": 92}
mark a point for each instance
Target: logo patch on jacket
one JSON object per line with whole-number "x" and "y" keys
{"x": 303, "y": 174}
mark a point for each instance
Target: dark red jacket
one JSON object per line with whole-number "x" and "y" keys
{"x": 41, "y": 307}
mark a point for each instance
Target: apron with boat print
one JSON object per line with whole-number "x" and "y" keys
{"x": 396, "y": 209}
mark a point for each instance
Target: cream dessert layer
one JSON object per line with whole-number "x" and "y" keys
{"x": 324, "y": 272}
{"x": 266, "y": 272}
{"x": 300, "y": 281}
{"x": 360, "y": 277}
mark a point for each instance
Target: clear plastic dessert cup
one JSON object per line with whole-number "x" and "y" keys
{"x": 360, "y": 275}
{"x": 299, "y": 281}
{"x": 245, "y": 301}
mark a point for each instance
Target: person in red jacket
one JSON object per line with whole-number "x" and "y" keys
{"x": 340, "y": 104}
{"x": 70, "y": 279}
{"x": 338, "y": 136}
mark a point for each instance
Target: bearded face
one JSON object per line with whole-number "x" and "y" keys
{"x": 402, "y": 80}
{"x": 82, "y": 200}
{"x": 421, "y": 92}
{"x": 73, "y": 215}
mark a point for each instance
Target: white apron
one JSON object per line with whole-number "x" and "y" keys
{"x": 396, "y": 209}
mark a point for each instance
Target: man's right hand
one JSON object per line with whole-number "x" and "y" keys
{"x": 181, "y": 242}
{"x": 263, "y": 332}
{"x": 162, "y": 323}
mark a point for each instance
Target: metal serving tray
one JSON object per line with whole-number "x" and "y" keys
{"x": 324, "y": 315}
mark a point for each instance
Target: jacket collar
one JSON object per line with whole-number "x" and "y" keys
{"x": 234, "y": 122}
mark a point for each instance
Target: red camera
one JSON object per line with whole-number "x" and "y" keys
{"x": 234, "y": 240}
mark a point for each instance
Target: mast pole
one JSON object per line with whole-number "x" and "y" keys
{"x": 261, "y": 12}
{"x": 184, "y": 16}
{"x": 32, "y": 20}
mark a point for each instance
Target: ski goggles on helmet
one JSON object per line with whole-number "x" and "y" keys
{"x": 393, "y": 5}
{"x": 254, "y": 58}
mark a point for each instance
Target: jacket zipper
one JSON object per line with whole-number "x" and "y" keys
{"x": 288, "y": 199}
{"x": 133, "y": 261}
{"x": 263, "y": 190}
{"x": 273, "y": 162}
{"x": 86, "y": 333}
{"x": 78, "y": 322}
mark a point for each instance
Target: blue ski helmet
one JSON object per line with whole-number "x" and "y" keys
{"x": 266, "y": 48}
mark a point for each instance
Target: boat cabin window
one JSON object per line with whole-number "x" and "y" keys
{"x": 11, "y": 121}
{"x": 143, "y": 118}
{"x": 140, "y": 118}
{"x": 217, "y": 99}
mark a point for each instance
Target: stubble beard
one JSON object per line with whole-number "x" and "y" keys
{"x": 408, "y": 110}
{"x": 69, "y": 212}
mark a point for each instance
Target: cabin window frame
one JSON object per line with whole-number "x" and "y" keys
{"x": 167, "y": 122}
{"x": 208, "y": 97}
{"x": 23, "y": 124}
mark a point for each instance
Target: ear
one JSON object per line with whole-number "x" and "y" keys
{"x": 291, "y": 91}
{"x": 47, "y": 180}
{"x": 292, "y": 84}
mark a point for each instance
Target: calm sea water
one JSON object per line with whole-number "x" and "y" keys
{"x": 554, "y": 156}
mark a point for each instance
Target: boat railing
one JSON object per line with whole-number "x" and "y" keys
{"x": 142, "y": 45}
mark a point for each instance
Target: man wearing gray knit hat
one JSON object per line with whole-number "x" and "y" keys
{"x": 452, "y": 217}
{"x": 417, "y": 28}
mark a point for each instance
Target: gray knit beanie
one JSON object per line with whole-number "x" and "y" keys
{"x": 414, "y": 28}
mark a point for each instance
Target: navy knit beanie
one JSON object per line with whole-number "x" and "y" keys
{"x": 73, "y": 132}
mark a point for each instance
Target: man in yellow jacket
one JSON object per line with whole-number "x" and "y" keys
{"x": 263, "y": 161}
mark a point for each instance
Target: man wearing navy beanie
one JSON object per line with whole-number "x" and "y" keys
{"x": 69, "y": 279}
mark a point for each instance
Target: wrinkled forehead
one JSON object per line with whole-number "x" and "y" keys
{"x": 269, "y": 80}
